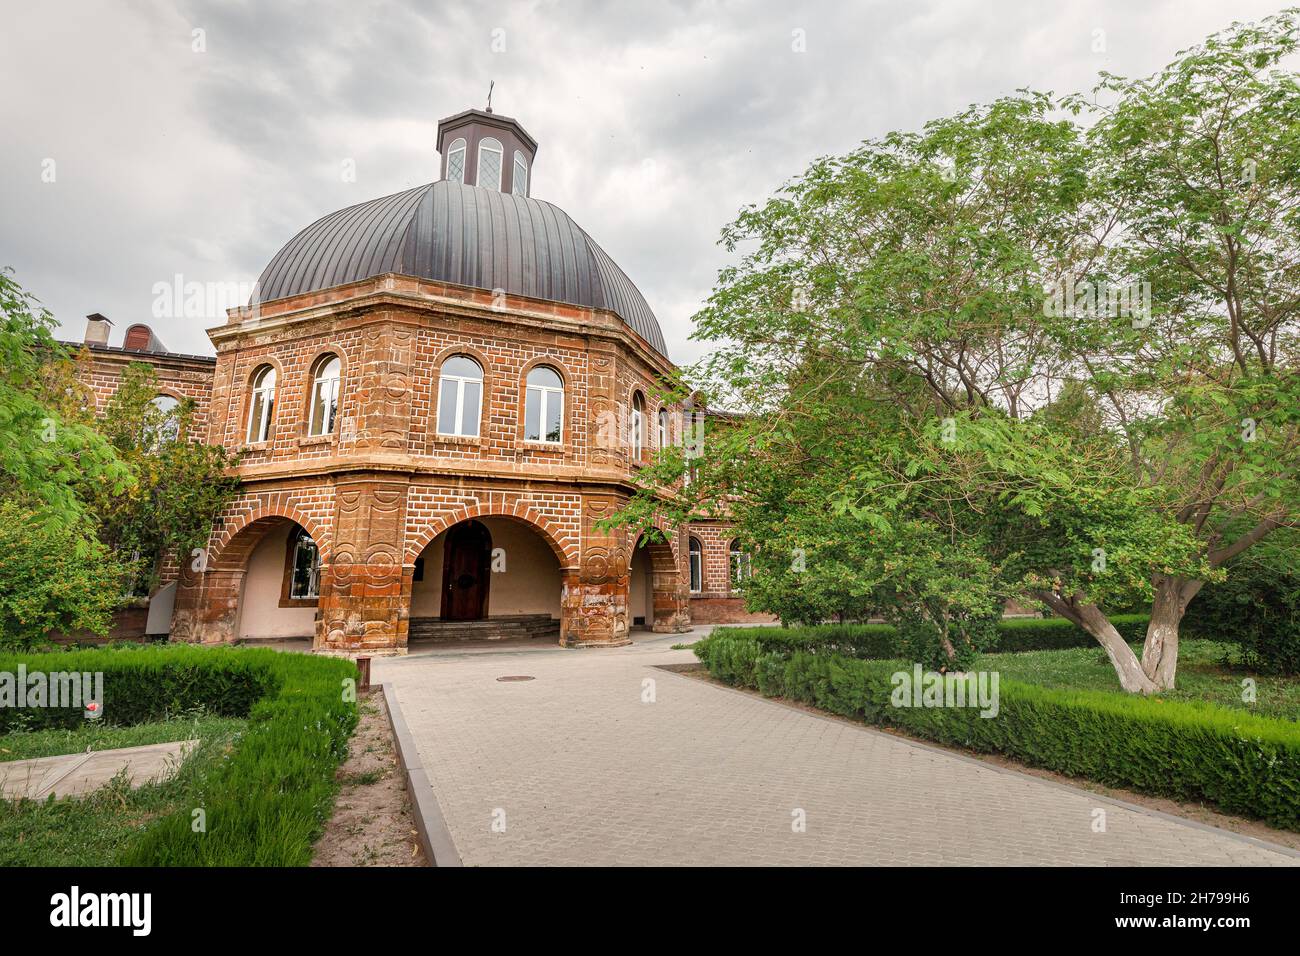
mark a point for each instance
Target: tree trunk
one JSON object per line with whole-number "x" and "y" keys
{"x": 1089, "y": 617}
{"x": 1160, "y": 650}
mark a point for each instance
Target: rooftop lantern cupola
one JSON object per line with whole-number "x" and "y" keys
{"x": 480, "y": 148}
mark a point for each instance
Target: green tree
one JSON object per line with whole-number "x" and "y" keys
{"x": 54, "y": 573}
{"x": 1200, "y": 165}
{"x": 888, "y": 333}
{"x": 46, "y": 455}
{"x": 54, "y": 576}
{"x": 180, "y": 484}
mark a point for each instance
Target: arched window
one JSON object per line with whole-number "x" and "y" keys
{"x": 261, "y": 407}
{"x": 304, "y": 579}
{"x": 519, "y": 182}
{"x": 460, "y": 395}
{"x": 324, "y": 395}
{"x": 740, "y": 567}
{"x": 636, "y": 426}
{"x": 490, "y": 162}
{"x": 166, "y": 424}
{"x": 663, "y": 428}
{"x": 456, "y": 162}
{"x": 696, "y": 562}
{"x": 544, "y": 406}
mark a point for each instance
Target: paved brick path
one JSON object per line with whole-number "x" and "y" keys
{"x": 582, "y": 771}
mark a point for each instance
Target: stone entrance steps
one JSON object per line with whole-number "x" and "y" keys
{"x": 508, "y": 627}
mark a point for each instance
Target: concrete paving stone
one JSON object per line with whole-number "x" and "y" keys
{"x": 588, "y": 774}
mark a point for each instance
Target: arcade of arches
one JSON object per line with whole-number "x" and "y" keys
{"x": 282, "y": 574}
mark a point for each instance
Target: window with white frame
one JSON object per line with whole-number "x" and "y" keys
{"x": 460, "y": 397}
{"x": 304, "y": 580}
{"x": 695, "y": 553}
{"x": 456, "y": 162}
{"x": 636, "y": 426}
{"x": 663, "y": 428}
{"x": 519, "y": 182}
{"x": 491, "y": 159}
{"x": 324, "y": 395}
{"x": 261, "y": 406}
{"x": 740, "y": 567}
{"x": 544, "y": 406}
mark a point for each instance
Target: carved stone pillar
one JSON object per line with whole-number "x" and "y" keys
{"x": 365, "y": 593}
{"x": 596, "y": 597}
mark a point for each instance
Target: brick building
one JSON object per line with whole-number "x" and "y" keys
{"x": 438, "y": 395}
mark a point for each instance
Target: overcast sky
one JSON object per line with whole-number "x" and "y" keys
{"x": 655, "y": 122}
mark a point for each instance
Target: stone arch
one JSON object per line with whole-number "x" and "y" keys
{"x": 236, "y": 543}
{"x": 669, "y": 596}
{"x": 566, "y": 555}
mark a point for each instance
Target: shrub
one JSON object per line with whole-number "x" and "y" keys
{"x": 54, "y": 576}
{"x": 882, "y": 641}
{"x": 1239, "y": 762}
{"x": 147, "y": 684}
{"x": 265, "y": 804}
{"x": 1257, "y": 607}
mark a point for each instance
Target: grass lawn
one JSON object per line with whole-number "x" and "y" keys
{"x": 1207, "y": 671}
{"x": 93, "y": 830}
{"x": 93, "y": 735}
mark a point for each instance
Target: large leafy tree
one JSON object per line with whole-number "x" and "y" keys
{"x": 919, "y": 413}
{"x": 1200, "y": 166}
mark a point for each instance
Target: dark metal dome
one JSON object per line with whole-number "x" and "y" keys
{"x": 464, "y": 235}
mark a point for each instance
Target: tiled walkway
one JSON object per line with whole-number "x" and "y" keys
{"x": 590, "y": 764}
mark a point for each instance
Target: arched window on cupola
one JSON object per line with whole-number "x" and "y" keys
{"x": 456, "y": 162}
{"x": 491, "y": 158}
{"x": 519, "y": 181}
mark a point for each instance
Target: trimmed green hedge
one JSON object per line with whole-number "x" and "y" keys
{"x": 144, "y": 684}
{"x": 1238, "y": 762}
{"x": 266, "y": 803}
{"x": 880, "y": 641}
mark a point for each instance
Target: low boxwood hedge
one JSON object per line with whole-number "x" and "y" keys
{"x": 142, "y": 684}
{"x": 1238, "y": 762}
{"x": 265, "y": 804}
{"x": 880, "y": 641}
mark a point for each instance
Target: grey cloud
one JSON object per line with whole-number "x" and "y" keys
{"x": 204, "y": 165}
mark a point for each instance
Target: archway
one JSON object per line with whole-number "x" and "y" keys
{"x": 280, "y": 592}
{"x": 656, "y": 598}
{"x": 246, "y": 589}
{"x": 487, "y": 577}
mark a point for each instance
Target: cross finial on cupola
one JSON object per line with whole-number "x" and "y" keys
{"x": 482, "y": 148}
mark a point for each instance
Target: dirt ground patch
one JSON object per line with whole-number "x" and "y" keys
{"x": 372, "y": 823}
{"x": 1189, "y": 811}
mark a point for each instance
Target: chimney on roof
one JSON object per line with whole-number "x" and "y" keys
{"x": 97, "y": 329}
